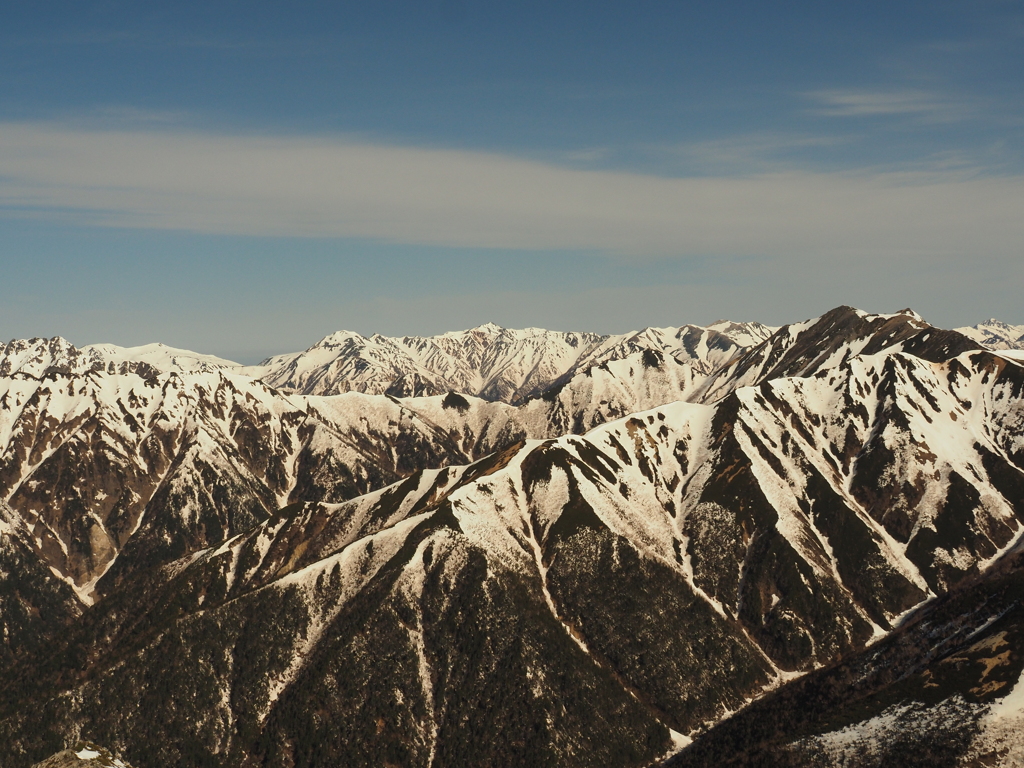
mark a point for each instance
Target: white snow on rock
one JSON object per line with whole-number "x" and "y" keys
{"x": 34, "y": 357}
{"x": 488, "y": 361}
{"x": 160, "y": 356}
{"x": 646, "y": 456}
{"x": 996, "y": 334}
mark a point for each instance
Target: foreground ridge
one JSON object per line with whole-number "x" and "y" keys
{"x": 84, "y": 754}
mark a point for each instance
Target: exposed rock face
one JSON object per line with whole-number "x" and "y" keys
{"x": 84, "y": 754}
{"x": 33, "y": 357}
{"x": 305, "y": 580}
{"x": 944, "y": 689}
{"x": 500, "y": 594}
{"x": 109, "y": 472}
{"x": 803, "y": 349}
{"x": 995, "y": 334}
{"x": 489, "y": 362}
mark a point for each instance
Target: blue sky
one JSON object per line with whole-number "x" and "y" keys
{"x": 244, "y": 178}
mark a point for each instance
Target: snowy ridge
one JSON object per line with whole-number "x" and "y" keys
{"x": 160, "y": 356}
{"x": 164, "y": 453}
{"x": 489, "y": 362}
{"x": 803, "y": 349}
{"x": 167, "y": 431}
{"x": 35, "y": 357}
{"x": 996, "y": 334}
{"x": 336, "y": 573}
{"x": 656, "y": 493}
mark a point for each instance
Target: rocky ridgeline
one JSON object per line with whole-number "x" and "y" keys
{"x": 995, "y": 334}
{"x": 489, "y": 362}
{"x": 84, "y": 754}
{"x": 587, "y": 599}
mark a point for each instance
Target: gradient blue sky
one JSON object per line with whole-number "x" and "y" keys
{"x": 244, "y": 178}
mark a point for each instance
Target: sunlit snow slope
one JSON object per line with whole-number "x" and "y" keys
{"x": 199, "y": 568}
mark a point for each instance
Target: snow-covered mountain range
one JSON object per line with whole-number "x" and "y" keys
{"x": 174, "y": 438}
{"x": 552, "y": 554}
{"x": 995, "y": 334}
{"x": 33, "y": 357}
{"x": 489, "y": 362}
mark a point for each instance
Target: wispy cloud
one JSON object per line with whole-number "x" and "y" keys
{"x": 877, "y": 103}
{"x": 758, "y": 152}
{"x": 331, "y": 187}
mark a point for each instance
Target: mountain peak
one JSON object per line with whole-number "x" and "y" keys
{"x": 620, "y": 559}
{"x": 337, "y": 336}
{"x": 996, "y": 334}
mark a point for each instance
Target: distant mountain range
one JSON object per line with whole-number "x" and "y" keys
{"x": 996, "y": 335}
{"x": 489, "y": 362}
{"x": 734, "y": 544}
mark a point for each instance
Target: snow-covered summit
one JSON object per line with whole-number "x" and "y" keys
{"x": 34, "y": 357}
{"x": 692, "y": 517}
{"x": 487, "y": 361}
{"x": 995, "y": 334}
{"x": 160, "y": 356}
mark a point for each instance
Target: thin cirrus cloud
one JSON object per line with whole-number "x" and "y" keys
{"x": 339, "y": 188}
{"x": 868, "y": 103}
{"x": 747, "y": 153}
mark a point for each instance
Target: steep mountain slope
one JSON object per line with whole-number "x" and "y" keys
{"x": 136, "y": 469}
{"x": 707, "y": 348}
{"x": 946, "y": 689}
{"x": 93, "y": 454}
{"x": 803, "y": 349}
{"x": 34, "y": 357}
{"x": 102, "y": 445}
{"x": 995, "y": 334}
{"x": 565, "y": 602}
{"x": 492, "y": 362}
{"x": 489, "y": 362}
{"x": 35, "y": 603}
{"x": 601, "y": 393}
{"x": 84, "y": 754}
{"x": 642, "y": 374}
